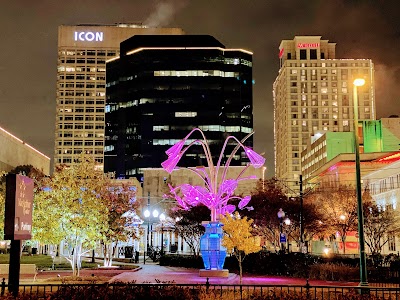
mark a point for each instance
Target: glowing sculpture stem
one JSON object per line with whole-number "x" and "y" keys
{"x": 228, "y": 162}
{"x": 211, "y": 178}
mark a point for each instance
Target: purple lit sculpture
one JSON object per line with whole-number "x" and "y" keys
{"x": 215, "y": 196}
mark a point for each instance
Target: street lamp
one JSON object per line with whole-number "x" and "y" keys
{"x": 281, "y": 215}
{"x": 363, "y": 267}
{"x": 287, "y": 223}
{"x": 162, "y": 219}
{"x": 147, "y": 215}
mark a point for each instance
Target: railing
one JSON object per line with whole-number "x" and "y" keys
{"x": 242, "y": 292}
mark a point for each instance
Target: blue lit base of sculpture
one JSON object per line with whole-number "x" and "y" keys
{"x": 212, "y": 252}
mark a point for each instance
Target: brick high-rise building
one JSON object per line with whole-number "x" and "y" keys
{"x": 313, "y": 93}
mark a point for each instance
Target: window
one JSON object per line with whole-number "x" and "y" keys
{"x": 313, "y": 53}
{"x": 392, "y": 242}
{"x": 187, "y": 114}
{"x": 303, "y": 54}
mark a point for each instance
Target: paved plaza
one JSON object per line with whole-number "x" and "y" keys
{"x": 153, "y": 273}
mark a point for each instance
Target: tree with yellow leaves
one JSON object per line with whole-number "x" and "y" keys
{"x": 120, "y": 199}
{"x": 238, "y": 238}
{"x": 70, "y": 208}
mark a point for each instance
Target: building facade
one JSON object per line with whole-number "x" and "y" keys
{"x": 384, "y": 186}
{"x": 313, "y": 93}
{"x": 374, "y": 136}
{"x": 162, "y": 87}
{"x": 81, "y": 79}
{"x": 14, "y": 152}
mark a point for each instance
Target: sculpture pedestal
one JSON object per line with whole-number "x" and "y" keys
{"x": 212, "y": 252}
{"x": 214, "y": 273}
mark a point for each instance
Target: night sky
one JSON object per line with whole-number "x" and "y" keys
{"x": 28, "y": 60}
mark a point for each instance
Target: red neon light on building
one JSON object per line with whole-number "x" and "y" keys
{"x": 308, "y": 45}
{"x": 281, "y": 52}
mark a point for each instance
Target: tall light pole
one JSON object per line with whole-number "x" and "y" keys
{"x": 301, "y": 216}
{"x": 155, "y": 216}
{"x": 281, "y": 215}
{"x": 363, "y": 266}
{"x": 147, "y": 216}
{"x": 162, "y": 219}
{"x": 287, "y": 223}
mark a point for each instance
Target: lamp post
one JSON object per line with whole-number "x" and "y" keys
{"x": 281, "y": 215}
{"x": 287, "y": 223}
{"x": 155, "y": 216}
{"x": 147, "y": 215}
{"x": 363, "y": 268}
{"x": 162, "y": 219}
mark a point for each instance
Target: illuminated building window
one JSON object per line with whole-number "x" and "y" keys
{"x": 108, "y": 148}
{"x": 187, "y": 114}
{"x": 161, "y": 128}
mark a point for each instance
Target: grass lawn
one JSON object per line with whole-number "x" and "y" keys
{"x": 46, "y": 262}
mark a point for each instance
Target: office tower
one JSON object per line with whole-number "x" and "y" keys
{"x": 81, "y": 76}
{"x": 313, "y": 93}
{"x": 162, "y": 87}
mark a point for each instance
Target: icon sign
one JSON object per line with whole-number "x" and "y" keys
{"x": 282, "y": 238}
{"x": 88, "y": 36}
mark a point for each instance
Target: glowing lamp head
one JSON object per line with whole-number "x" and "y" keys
{"x": 146, "y": 213}
{"x": 256, "y": 160}
{"x": 175, "y": 149}
{"x": 359, "y": 81}
{"x": 170, "y": 164}
{"x": 162, "y": 217}
{"x": 155, "y": 213}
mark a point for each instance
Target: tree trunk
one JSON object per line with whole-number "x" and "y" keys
{"x": 76, "y": 259}
{"x": 240, "y": 267}
{"x": 344, "y": 244}
{"x": 108, "y": 254}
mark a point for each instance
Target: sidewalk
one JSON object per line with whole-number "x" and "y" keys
{"x": 153, "y": 273}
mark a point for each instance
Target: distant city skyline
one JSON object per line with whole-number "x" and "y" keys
{"x": 28, "y": 62}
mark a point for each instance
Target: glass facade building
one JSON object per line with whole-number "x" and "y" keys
{"x": 161, "y": 87}
{"x": 81, "y": 78}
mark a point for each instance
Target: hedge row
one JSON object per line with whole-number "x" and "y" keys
{"x": 132, "y": 292}
{"x": 295, "y": 265}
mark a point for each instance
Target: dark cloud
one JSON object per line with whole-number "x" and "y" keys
{"x": 28, "y": 60}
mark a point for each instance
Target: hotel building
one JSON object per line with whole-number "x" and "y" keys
{"x": 81, "y": 79}
{"x": 162, "y": 87}
{"x": 313, "y": 93}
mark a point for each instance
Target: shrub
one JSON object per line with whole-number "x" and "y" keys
{"x": 183, "y": 261}
{"x": 159, "y": 292}
{"x": 334, "y": 272}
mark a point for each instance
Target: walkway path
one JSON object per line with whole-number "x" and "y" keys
{"x": 153, "y": 273}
